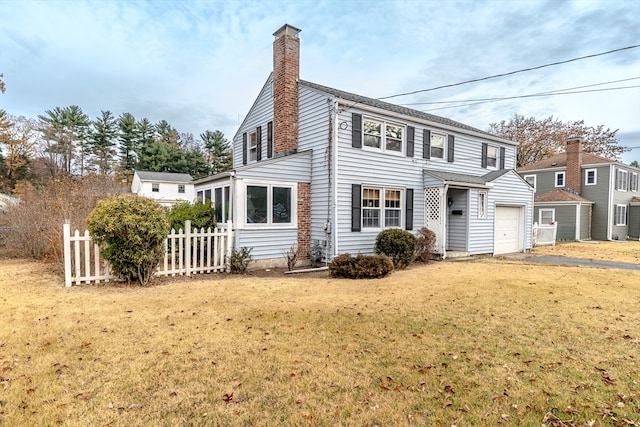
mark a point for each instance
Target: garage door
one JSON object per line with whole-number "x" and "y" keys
{"x": 507, "y": 232}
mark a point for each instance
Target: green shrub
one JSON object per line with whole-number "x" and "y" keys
{"x": 425, "y": 244}
{"x": 399, "y": 245}
{"x": 239, "y": 260}
{"x": 130, "y": 231}
{"x": 360, "y": 267}
{"x": 200, "y": 214}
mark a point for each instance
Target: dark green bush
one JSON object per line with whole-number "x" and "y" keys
{"x": 200, "y": 214}
{"x": 425, "y": 244}
{"x": 399, "y": 245}
{"x": 360, "y": 267}
{"x": 130, "y": 231}
{"x": 239, "y": 260}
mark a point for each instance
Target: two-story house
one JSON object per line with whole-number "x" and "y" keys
{"x": 165, "y": 187}
{"x": 321, "y": 167}
{"x": 589, "y": 196}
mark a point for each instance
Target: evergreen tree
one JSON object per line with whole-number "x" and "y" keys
{"x": 128, "y": 137}
{"x": 218, "y": 153}
{"x": 103, "y": 141}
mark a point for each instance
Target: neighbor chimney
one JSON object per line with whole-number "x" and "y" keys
{"x": 286, "y": 70}
{"x": 574, "y": 164}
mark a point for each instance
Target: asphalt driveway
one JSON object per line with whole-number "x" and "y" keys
{"x": 560, "y": 260}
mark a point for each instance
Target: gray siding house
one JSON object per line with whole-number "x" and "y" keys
{"x": 327, "y": 169}
{"x": 589, "y": 196}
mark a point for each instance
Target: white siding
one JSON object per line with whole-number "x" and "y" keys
{"x": 292, "y": 168}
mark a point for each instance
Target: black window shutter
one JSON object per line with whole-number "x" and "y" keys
{"x": 356, "y": 131}
{"x": 483, "y": 162}
{"x": 426, "y": 144}
{"x": 409, "y": 209}
{"x": 411, "y": 131}
{"x": 269, "y": 140}
{"x": 356, "y": 207}
{"x": 502, "y": 154}
{"x": 259, "y": 143}
{"x": 450, "y": 148}
{"x": 244, "y": 148}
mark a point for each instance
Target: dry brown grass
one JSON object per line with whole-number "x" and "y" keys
{"x": 481, "y": 343}
{"x": 620, "y": 251}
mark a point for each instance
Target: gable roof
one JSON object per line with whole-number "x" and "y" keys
{"x": 164, "y": 176}
{"x": 371, "y": 102}
{"x": 560, "y": 195}
{"x": 560, "y": 161}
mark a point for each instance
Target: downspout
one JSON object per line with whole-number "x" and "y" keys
{"x": 612, "y": 187}
{"x": 333, "y": 224}
{"x": 444, "y": 208}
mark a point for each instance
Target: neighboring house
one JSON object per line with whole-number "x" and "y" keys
{"x": 589, "y": 196}
{"x": 167, "y": 188}
{"x": 317, "y": 166}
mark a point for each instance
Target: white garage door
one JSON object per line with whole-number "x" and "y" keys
{"x": 508, "y": 233}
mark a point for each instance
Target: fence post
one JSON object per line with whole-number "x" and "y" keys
{"x": 228, "y": 245}
{"x": 187, "y": 247}
{"x": 66, "y": 229}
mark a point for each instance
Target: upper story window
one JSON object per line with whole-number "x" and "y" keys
{"x": 181, "y": 188}
{"x": 252, "y": 146}
{"x": 560, "y": 179}
{"x": 634, "y": 182}
{"x": 269, "y": 204}
{"x": 621, "y": 179}
{"x": 155, "y": 188}
{"x": 381, "y": 207}
{"x": 437, "y": 145}
{"x": 492, "y": 157}
{"x": 591, "y": 176}
{"x": 382, "y": 135}
{"x": 531, "y": 179}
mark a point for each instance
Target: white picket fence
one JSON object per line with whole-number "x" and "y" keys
{"x": 187, "y": 252}
{"x": 544, "y": 234}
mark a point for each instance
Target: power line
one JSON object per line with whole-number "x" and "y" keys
{"x": 529, "y": 95}
{"x": 509, "y": 73}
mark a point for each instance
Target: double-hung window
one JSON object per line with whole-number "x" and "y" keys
{"x": 383, "y": 136}
{"x": 181, "y": 188}
{"x": 492, "y": 157}
{"x": 546, "y": 216}
{"x": 437, "y": 145}
{"x": 270, "y": 204}
{"x": 591, "y": 176}
{"x": 252, "y": 147}
{"x": 560, "y": 179}
{"x": 621, "y": 180}
{"x": 381, "y": 207}
{"x": 621, "y": 215}
{"x": 634, "y": 182}
{"x": 531, "y": 179}
{"x": 155, "y": 188}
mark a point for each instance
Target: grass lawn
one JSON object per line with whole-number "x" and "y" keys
{"x": 477, "y": 343}
{"x": 620, "y": 251}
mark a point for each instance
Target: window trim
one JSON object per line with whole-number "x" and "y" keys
{"x": 633, "y": 182}
{"x": 483, "y": 204}
{"x": 181, "y": 189}
{"x": 269, "y": 224}
{"x": 382, "y": 217}
{"x": 252, "y": 135}
{"x": 620, "y": 212}
{"x": 444, "y": 146}
{"x": 564, "y": 179}
{"x": 553, "y": 214}
{"x": 535, "y": 180}
{"x": 595, "y": 177}
{"x": 619, "y": 180}
{"x": 383, "y": 136}
{"x": 497, "y": 157}
{"x": 155, "y": 187}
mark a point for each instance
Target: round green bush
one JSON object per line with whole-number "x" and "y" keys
{"x": 200, "y": 214}
{"x": 399, "y": 245}
{"x": 130, "y": 231}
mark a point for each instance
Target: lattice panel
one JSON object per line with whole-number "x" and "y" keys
{"x": 432, "y": 204}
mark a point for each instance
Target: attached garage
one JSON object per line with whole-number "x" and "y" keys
{"x": 508, "y": 230}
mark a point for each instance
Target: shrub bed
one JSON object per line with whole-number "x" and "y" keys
{"x": 360, "y": 267}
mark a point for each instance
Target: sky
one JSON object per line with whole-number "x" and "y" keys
{"x": 200, "y": 64}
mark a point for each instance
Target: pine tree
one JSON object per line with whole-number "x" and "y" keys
{"x": 218, "y": 153}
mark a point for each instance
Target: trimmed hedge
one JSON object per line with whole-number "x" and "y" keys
{"x": 360, "y": 267}
{"x": 399, "y": 245}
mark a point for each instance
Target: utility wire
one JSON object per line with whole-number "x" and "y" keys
{"x": 509, "y": 73}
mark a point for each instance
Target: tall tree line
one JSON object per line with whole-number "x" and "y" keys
{"x": 65, "y": 141}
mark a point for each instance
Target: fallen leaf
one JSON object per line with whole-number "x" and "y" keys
{"x": 135, "y": 406}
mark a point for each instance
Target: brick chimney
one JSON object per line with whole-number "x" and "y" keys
{"x": 574, "y": 164}
{"x": 286, "y": 71}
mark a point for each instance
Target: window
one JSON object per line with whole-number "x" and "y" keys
{"x": 621, "y": 215}
{"x": 252, "y": 147}
{"x": 621, "y": 180}
{"x": 437, "y": 146}
{"x": 155, "y": 188}
{"x": 181, "y": 188}
{"x": 634, "y": 182}
{"x": 222, "y": 204}
{"x": 492, "y": 157}
{"x": 482, "y": 204}
{"x": 531, "y": 179}
{"x": 383, "y": 136}
{"x": 381, "y": 206}
{"x": 269, "y": 204}
{"x": 591, "y": 176}
{"x": 200, "y": 197}
{"x": 207, "y": 195}
{"x": 546, "y": 216}
{"x": 559, "y": 179}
